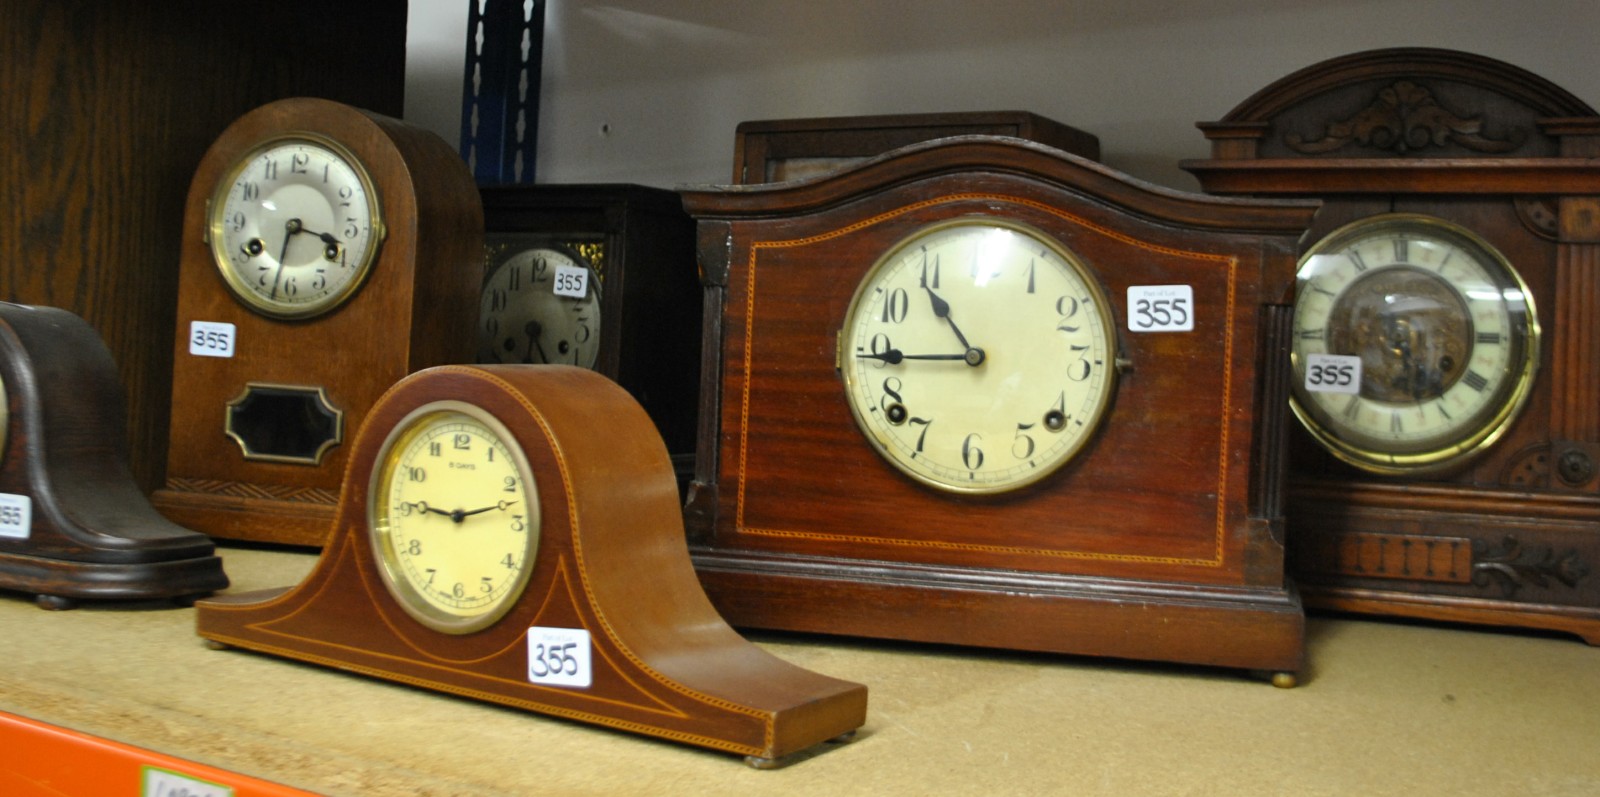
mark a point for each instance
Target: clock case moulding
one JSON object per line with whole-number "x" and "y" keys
{"x": 417, "y": 308}
{"x": 1162, "y": 540}
{"x": 1511, "y": 537}
{"x": 611, "y": 560}
{"x": 94, "y": 534}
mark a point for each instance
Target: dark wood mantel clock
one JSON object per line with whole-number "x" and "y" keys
{"x": 601, "y": 276}
{"x": 1446, "y": 334}
{"x": 982, "y": 391}
{"x": 512, "y": 534}
{"x": 73, "y": 523}
{"x": 327, "y": 252}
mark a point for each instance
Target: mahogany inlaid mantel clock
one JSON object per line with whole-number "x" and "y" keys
{"x": 327, "y": 252}
{"x": 512, "y": 533}
{"x": 981, "y": 391}
{"x": 1446, "y": 334}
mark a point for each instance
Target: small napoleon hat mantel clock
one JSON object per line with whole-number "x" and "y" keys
{"x": 513, "y": 534}
{"x": 327, "y": 252}
{"x": 982, "y": 391}
{"x": 73, "y": 523}
{"x": 1446, "y": 334}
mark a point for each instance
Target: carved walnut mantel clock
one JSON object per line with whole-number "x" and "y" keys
{"x": 981, "y": 391}
{"x": 327, "y": 252}
{"x": 1446, "y": 340}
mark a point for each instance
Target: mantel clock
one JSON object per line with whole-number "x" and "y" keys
{"x": 601, "y": 276}
{"x": 73, "y": 523}
{"x": 1446, "y": 340}
{"x": 982, "y": 391}
{"x": 327, "y": 252}
{"x": 512, "y": 534}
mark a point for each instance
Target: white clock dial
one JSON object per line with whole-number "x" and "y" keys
{"x": 978, "y": 356}
{"x": 540, "y": 305}
{"x": 454, "y": 517}
{"x": 295, "y": 227}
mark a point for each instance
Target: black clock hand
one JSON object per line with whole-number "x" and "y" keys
{"x": 941, "y": 309}
{"x": 459, "y": 513}
{"x": 895, "y": 356}
{"x": 290, "y": 227}
{"x": 533, "y": 330}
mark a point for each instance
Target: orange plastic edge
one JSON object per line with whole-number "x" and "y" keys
{"x": 41, "y": 760}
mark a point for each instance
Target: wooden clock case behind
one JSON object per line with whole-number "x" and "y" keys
{"x": 1512, "y": 537}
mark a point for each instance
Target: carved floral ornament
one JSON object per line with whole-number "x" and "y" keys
{"x": 1404, "y": 117}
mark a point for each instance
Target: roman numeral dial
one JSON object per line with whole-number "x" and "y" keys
{"x": 1445, "y": 332}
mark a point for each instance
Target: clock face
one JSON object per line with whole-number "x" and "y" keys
{"x": 454, "y": 516}
{"x": 978, "y": 356}
{"x": 295, "y": 227}
{"x": 540, "y": 305}
{"x": 1415, "y": 343}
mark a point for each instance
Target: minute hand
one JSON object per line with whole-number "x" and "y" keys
{"x": 895, "y": 356}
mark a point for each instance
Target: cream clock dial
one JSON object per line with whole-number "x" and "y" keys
{"x": 295, "y": 226}
{"x": 978, "y": 356}
{"x": 540, "y": 305}
{"x": 1443, "y": 331}
{"x": 454, "y": 516}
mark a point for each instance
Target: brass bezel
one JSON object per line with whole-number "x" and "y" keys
{"x": 1104, "y": 318}
{"x": 1480, "y": 437}
{"x": 220, "y": 257}
{"x": 399, "y": 587}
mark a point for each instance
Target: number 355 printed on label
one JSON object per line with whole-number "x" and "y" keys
{"x": 1160, "y": 308}
{"x": 559, "y": 657}
{"x": 1333, "y": 373}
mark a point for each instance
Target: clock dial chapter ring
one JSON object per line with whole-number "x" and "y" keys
{"x": 977, "y": 356}
{"x": 1446, "y": 335}
{"x": 455, "y": 518}
{"x": 524, "y": 319}
{"x": 296, "y": 226}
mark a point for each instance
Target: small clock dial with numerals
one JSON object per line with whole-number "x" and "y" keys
{"x": 295, "y": 226}
{"x": 1444, "y": 331}
{"x": 540, "y": 305}
{"x": 978, "y": 356}
{"x": 454, "y": 517}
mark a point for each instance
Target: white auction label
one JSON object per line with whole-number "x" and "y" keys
{"x": 16, "y": 516}
{"x": 559, "y": 657}
{"x": 572, "y": 282}
{"x": 1160, "y": 308}
{"x": 166, "y": 783}
{"x": 211, "y": 338}
{"x": 1333, "y": 373}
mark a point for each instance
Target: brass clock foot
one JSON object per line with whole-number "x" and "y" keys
{"x": 215, "y": 645}
{"x": 759, "y": 762}
{"x": 1285, "y": 680}
{"x": 55, "y": 603}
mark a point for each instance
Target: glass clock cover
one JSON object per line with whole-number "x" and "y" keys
{"x": 1415, "y": 343}
{"x": 978, "y": 356}
{"x": 540, "y": 305}
{"x": 295, "y": 226}
{"x": 454, "y": 516}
